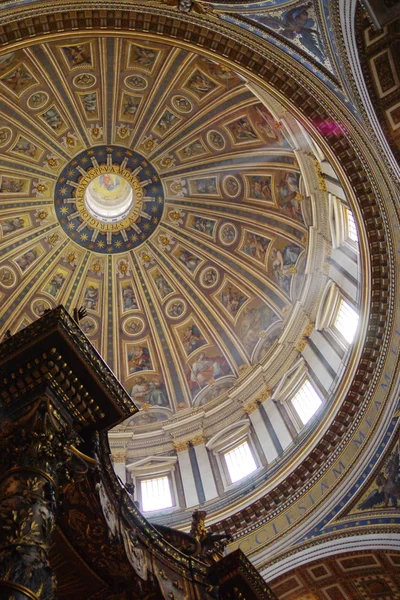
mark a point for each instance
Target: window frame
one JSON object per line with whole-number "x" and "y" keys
{"x": 233, "y": 448}
{"x": 340, "y": 299}
{"x": 291, "y": 407}
{"x": 226, "y": 476}
{"x": 152, "y": 467}
{"x": 339, "y": 212}
{"x": 152, "y": 476}
{"x": 349, "y": 217}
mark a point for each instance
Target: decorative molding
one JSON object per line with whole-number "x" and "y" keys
{"x": 119, "y": 457}
{"x": 197, "y": 440}
{"x": 251, "y": 407}
{"x": 303, "y": 342}
{"x": 181, "y": 446}
{"x": 321, "y": 179}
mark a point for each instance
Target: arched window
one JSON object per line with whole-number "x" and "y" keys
{"x": 240, "y": 462}
{"x": 352, "y": 233}
{"x": 154, "y": 481}
{"x": 155, "y": 493}
{"x": 235, "y": 452}
{"x": 306, "y": 401}
{"x": 345, "y": 321}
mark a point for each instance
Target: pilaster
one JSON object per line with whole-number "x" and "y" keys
{"x": 188, "y": 482}
{"x": 206, "y": 472}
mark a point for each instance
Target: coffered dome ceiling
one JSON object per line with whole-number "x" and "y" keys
{"x": 168, "y": 196}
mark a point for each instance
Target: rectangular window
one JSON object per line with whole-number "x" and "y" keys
{"x": 346, "y": 321}
{"x": 306, "y": 402}
{"x": 351, "y": 226}
{"x": 155, "y": 493}
{"x": 240, "y": 462}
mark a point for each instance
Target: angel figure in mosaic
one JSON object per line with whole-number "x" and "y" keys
{"x": 388, "y": 484}
{"x": 297, "y": 23}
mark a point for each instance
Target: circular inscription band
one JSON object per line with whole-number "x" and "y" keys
{"x": 109, "y": 199}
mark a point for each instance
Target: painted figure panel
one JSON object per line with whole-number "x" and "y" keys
{"x": 54, "y": 120}
{"x": 18, "y": 80}
{"x": 221, "y": 73}
{"x": 88, "y": 326}
{"x": 300, "y": 26}
{"x": 128, "y": 296}
{"x": 267, "y": 127}
{"x": 255, "y": 246}
{"x": 176, "y": 308}
{"x": 136, "y": 82}
{"x": 228, "y": 234}
{"x": 10, "y": 225}
{"x": 5, "y": 136}
{"x": 7, "y": 60}
{"x": 91, "y": 295}
{"x": 204, "y": 186}
{"x": 182, "y": 104}
{"x": 253, "y": 322}
{"x": 200, "y": 85}
{"x": 384, "y": 492}
{"x": 231, "y": 186}
{"x": 29, "y": 258}
{"x": 209, "y": 277}
{"x": 189, "y": 260}
{"x": 139, "y": 358}
{"x": 216, "y": 140}
{"x": 26, "y": 148}
{"x": 13, "y": 185}
{"x": 133, "y": 326}
{"x": 267, "y": 339}
{"x": 90, "y": 104}
{"x": 55, "y": 284}
{"x": 232, "y": 298}
{"x": 149, "y": 389}
{"x": 40, "y": 306}
{"x": 288, "y": 195}
{"x": 201, "y": 224}
{"x": 84, "y": 80}
{"x": 7, "y": 277}
{"x": 162, "y": 286}
{"x": 167, "y": 120}
{"x": 242, "y": 130}
{"x": 38, "y": 100}
{"x": 191, "y": 337}
{"x": 205, "y": 368}
{"x": 129, "y": 107}
{"x": 78, "y": 55}
{"x": 259, "y": 187}
{"x": 142, "y": 57}
{"x": 192, "y": 150}
{"x": 283, "y": 264}
{"x": 212, "y": 392}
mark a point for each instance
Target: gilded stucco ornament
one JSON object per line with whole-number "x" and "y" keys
{"x": 181, "y": 446}
{"x": 305, "y": 336}
{"x": 35, "y": 459}
{"x": 119, "y": 457}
